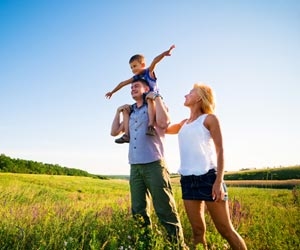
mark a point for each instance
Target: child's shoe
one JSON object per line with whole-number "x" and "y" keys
{"x": 123, "y": 139}
{"x": 151, "y": 131}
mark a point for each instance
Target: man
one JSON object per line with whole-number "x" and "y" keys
{"x": 148, "y": 172}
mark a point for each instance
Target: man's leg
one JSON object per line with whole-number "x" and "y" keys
{"x": 139, "y": 195}
{"x": 158, "y": 182}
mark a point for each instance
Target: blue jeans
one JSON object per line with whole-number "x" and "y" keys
{"x": 152, "y": 180}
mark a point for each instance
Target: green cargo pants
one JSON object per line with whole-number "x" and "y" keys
{"x": 152, "y": 180}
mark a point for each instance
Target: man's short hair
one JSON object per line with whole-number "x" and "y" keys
{"x": 143, "y": 81}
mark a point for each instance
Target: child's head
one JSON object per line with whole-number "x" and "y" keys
{"x": 137, "y": 63}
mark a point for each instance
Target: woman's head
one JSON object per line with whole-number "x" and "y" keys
{"x": 202, "y": 96}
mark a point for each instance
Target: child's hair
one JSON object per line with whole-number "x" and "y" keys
{"x": 138, "y": 57}
{"x": 208, "y": 98}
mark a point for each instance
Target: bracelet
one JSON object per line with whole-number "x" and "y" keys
{"x": 156, "y": 95}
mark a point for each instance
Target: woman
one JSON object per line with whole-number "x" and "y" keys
{"x": 202, "y": 167}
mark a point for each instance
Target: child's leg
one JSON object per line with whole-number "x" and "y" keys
{"x": 151, "y": 112}
{"x": 151, "y": 115}
{"x": 126, "y": 122}
{"x": 125, "y": 137}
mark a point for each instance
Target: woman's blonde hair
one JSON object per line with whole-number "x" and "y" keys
{"x": 208, "y": 98}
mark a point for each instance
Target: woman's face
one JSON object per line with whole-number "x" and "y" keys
{"x": 191, "y": 98}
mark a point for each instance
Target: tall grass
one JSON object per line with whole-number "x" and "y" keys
{"x": 63, "y": 212}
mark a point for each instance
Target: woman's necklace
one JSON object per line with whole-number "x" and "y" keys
{"x": 193, "y": 118}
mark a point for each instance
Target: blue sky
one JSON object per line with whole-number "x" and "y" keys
{"x": 58, "y": 58}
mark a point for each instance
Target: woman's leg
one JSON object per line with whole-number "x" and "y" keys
{"x": 195, "y": 212}
{"x": 219, "y": 212}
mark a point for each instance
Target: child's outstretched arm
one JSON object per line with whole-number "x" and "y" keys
{"x": 157, "y": 59}
{"x": 108, "y": 95}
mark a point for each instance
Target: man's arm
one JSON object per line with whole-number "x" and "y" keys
{"x": 162, "y": 117}
{"x": 117, "y": 127}
{"x": 108, "y": 95}
{"x": 157, "y": 59}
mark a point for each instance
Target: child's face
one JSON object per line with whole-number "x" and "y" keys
{"x": 137, "y": 67}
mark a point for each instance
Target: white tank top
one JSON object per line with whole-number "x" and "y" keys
{"x": 197, "y": 150}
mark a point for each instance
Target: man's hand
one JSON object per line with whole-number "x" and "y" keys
{"x": 152, "y": 95}
{"x": 126, "y": 108}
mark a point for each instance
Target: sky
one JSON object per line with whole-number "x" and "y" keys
{"x": 58, "y": 58}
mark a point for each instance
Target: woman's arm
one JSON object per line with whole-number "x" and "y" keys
{"x": 212, "y": 124}
{"x": 174, "y": 128}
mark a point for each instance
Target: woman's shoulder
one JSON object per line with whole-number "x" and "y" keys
{"x": 210, "y": 119}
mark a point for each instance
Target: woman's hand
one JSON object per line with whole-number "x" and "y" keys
{"x": 218, "y": 193}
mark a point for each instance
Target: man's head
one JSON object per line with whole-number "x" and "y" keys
{"x": 139, "y": 88}
{"x": 137, "y": 64}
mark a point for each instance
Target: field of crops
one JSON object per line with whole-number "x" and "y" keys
{"x": 64, "y": 212}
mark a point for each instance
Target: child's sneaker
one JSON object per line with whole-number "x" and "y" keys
{"x": 151, "y": 131}
{"x": 123, "y": 139}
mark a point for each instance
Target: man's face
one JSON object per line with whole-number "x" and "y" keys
{"x": 138, "y": 89}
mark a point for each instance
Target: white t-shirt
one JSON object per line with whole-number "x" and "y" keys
{"x": 197, "y": 149}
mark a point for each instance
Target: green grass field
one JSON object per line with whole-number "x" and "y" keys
{"x": 64, "y": 212}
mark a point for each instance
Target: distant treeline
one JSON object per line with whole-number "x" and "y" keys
{"x": 8, "y": 164}
{"x": 276, "y": 173}
{"x": 279, "y": 173}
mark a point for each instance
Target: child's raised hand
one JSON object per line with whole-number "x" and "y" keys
{"x": 170, "y": 50}
{"x": 108, "y": 95}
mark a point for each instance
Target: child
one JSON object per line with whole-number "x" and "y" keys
{"x": 138, "y": 67}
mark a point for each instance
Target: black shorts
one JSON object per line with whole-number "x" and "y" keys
{"x": 199, "y": 187}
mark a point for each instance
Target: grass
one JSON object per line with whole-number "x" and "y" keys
{"x": 64, "y": 212}
{"x": 278, "y": 173}
{"x": 281, "y": 184}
